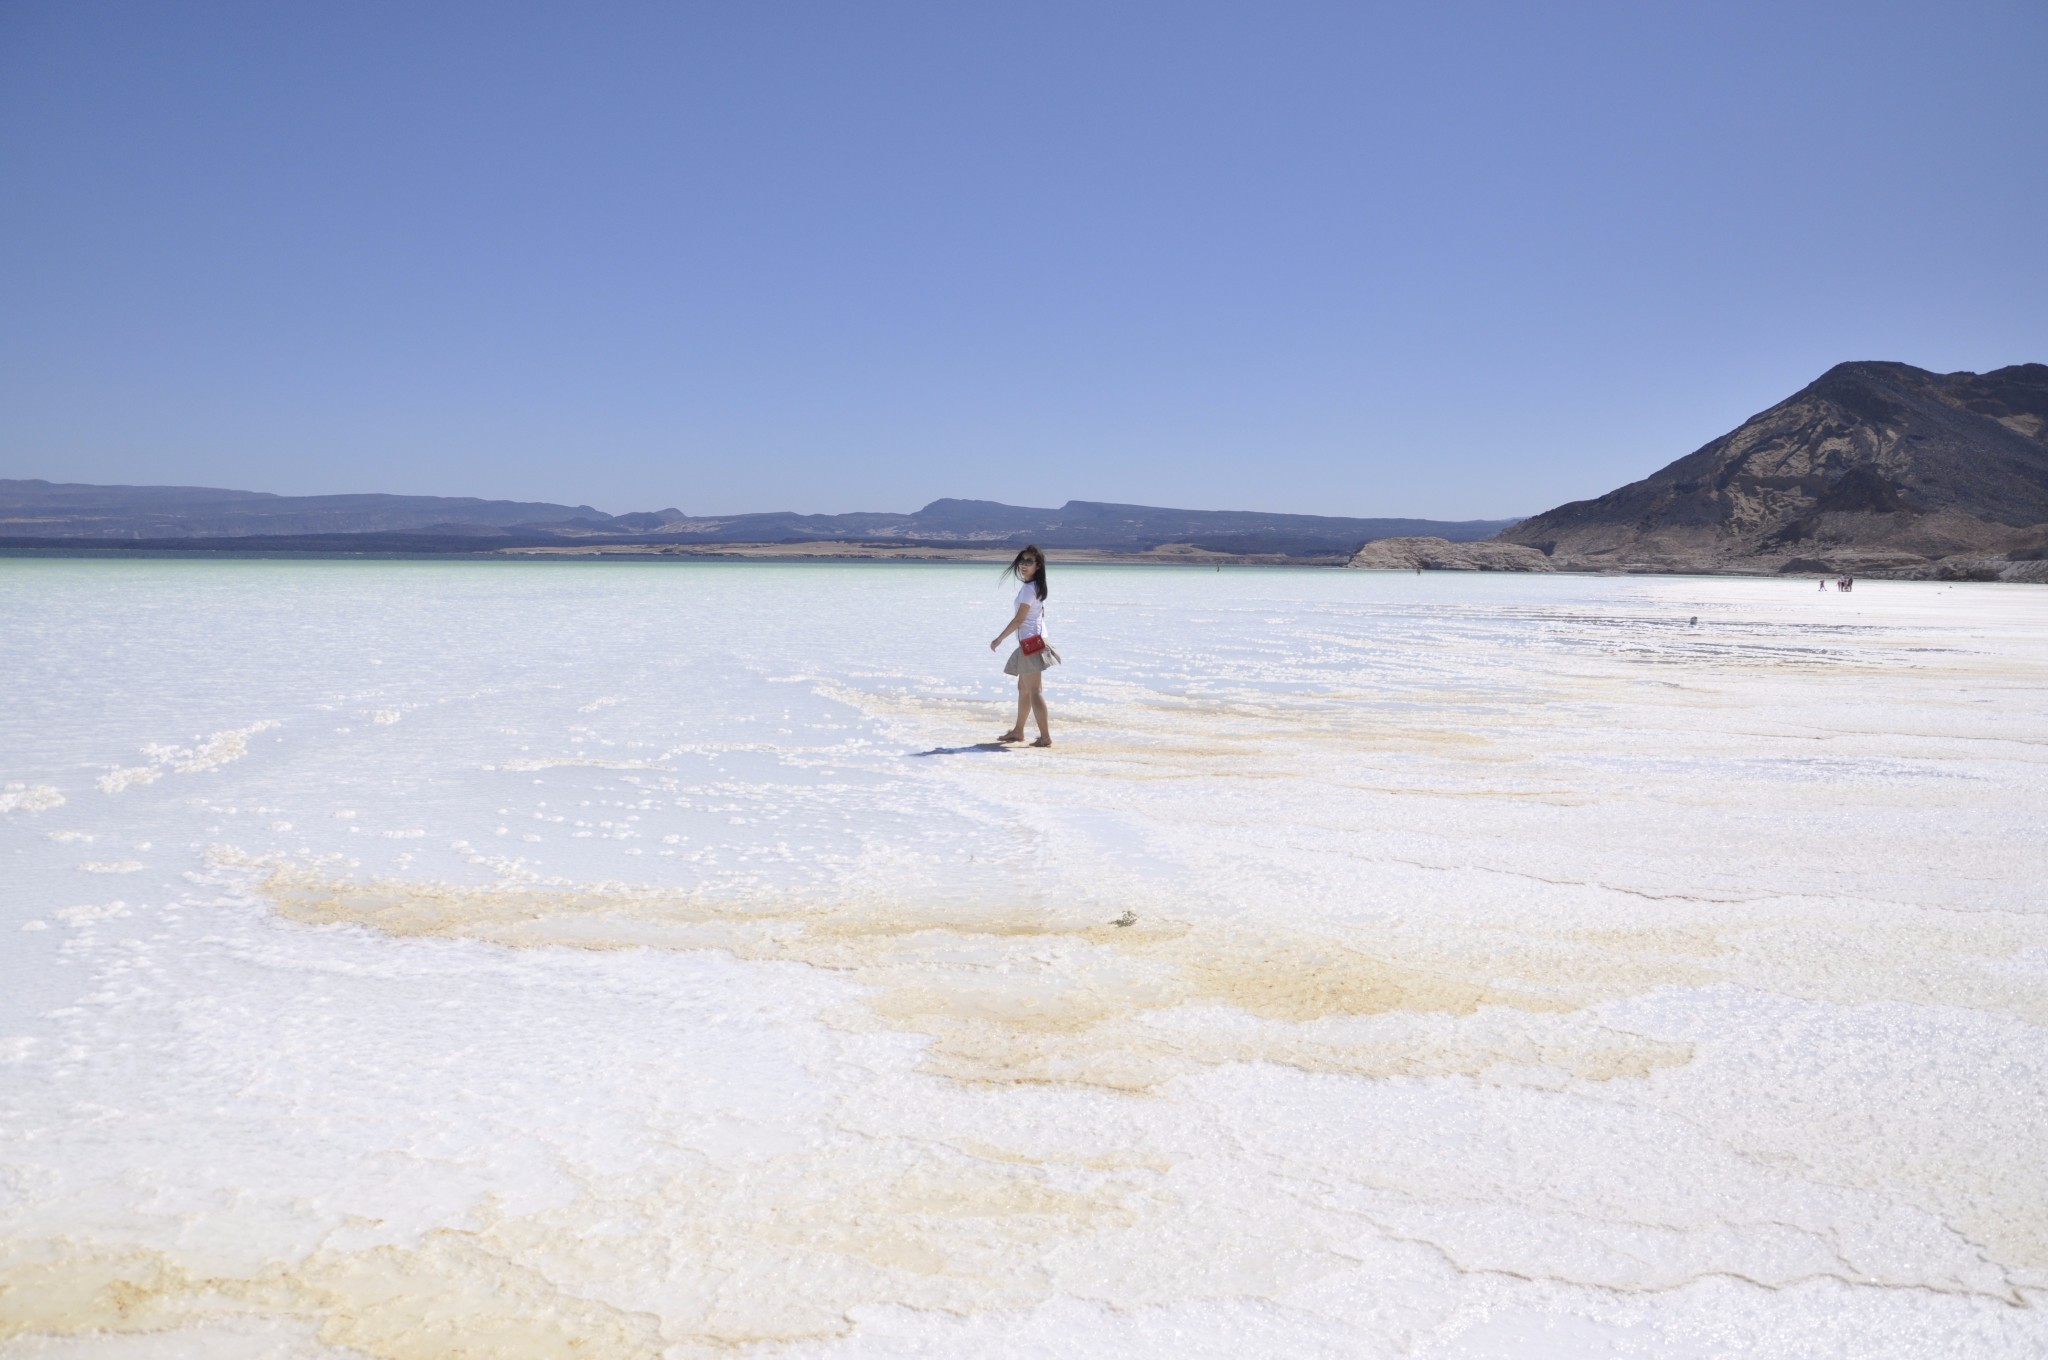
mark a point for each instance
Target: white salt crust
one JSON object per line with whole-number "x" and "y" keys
{"x": 1513, "y": 968}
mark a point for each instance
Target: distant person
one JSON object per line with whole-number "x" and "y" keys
{"x": 1823, "y": 585}
{"x": 1032, "y": 656}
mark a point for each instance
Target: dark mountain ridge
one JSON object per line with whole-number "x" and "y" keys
{"x": 1875, "y": 467}
{"x": 35, "y": 513}
{"x": 79, "y": 510}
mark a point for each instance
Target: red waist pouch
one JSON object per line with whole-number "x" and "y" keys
{"x": 1033, "y": 645}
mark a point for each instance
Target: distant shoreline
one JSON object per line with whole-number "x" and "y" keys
{"x": 1171, "y": 554}
{"x": 823, "y": 552}
{"x": 1168, "y": 554}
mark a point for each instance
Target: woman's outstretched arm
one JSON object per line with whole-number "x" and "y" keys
{"x": 1015, "y": 624}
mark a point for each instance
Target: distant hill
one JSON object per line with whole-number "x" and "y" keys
{"x": 38, "y": 509}
{"x": 1079, "y": 524}
{"x": 1874, "y": 468}
{"x": 45, "y": 513}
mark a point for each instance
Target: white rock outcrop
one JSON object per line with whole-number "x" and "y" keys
{"x": 1440, "y": 554}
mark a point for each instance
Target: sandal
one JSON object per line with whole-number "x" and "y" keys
{"x": 1010, "y": 736}
{"x": 1043, "y": 741}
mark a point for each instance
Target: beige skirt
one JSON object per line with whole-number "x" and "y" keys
{"x": 1020, "y": 664}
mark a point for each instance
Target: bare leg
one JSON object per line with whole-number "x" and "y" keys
{"x": 1023, "y": 710}
{"x": 1031, "y": 691}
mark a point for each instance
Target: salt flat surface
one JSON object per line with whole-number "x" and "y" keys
{"x": 628, "y": 959}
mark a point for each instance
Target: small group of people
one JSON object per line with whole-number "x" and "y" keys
{"x": 1841, "y": 583}
{"x": 1032, "y": 655}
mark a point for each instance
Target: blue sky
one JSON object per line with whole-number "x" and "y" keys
{"x": 1451, "y": 260}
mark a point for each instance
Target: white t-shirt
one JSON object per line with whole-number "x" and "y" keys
{"x": 1034, "y": 622}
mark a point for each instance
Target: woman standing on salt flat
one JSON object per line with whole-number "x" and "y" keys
{"x": 1032, "y": 656}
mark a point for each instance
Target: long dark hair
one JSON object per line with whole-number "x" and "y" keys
{"x": 1037, "y": 577}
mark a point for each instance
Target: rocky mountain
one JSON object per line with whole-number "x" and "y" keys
{"x": 46, "y": 513}
{"x": 1879, "y": 469}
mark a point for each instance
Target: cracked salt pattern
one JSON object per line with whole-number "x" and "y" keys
{"x": 644, "y": 959}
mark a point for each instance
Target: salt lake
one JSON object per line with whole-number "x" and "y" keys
{"x": 621, "y": 959}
